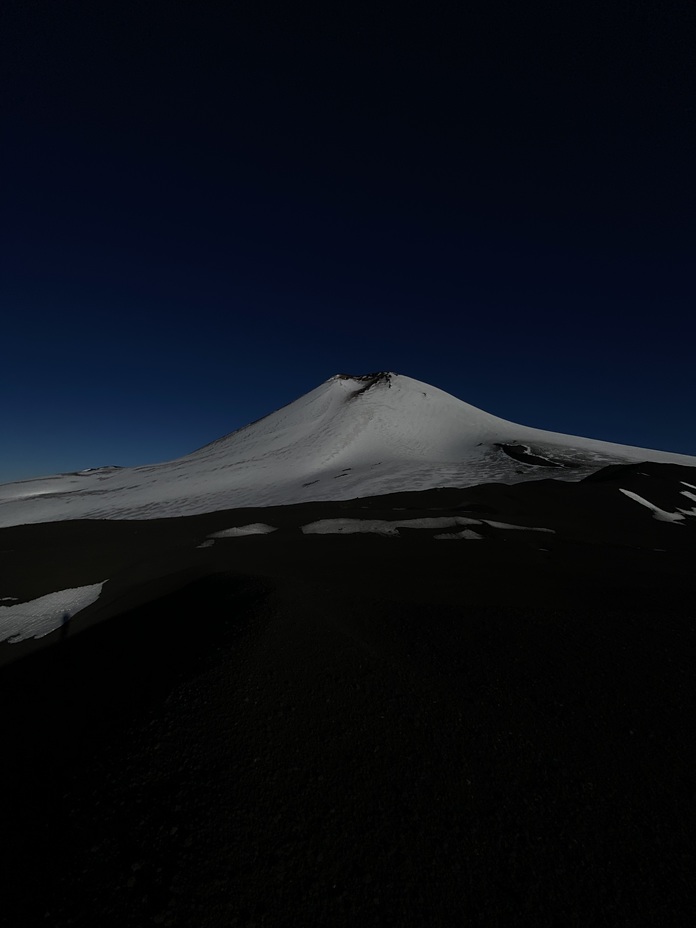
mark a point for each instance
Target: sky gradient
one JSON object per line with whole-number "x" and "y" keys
{"x": 210, "y": 208}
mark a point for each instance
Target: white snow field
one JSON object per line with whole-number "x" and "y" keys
{"x": 349, "y": 437}
{"x": 41, "y": 616}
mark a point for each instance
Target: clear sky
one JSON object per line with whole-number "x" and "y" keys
{"x": 209, "y": 208}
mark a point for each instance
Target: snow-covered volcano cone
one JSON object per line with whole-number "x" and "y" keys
{"x": 351, "y": 436}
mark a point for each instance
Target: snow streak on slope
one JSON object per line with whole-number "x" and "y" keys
{"x": 351, "y": 436}
{"x": 47, "y": 613}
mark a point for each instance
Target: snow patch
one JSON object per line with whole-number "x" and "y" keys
{"x": 255, "y": 528}
{"x": 350, "y": 527}
{"x": 41, "y": 616}
{"x": 390, "y": 527}
{"x": 660, "y": 514}
{"x": 382, "y": 526}
{"x": 691, "y": 496}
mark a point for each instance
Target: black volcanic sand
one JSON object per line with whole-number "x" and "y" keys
{"x": 320, "y": 730}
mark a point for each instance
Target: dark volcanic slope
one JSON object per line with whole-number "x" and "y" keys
{"x": 329, "y": 730}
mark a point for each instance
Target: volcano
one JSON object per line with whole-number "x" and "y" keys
{"x": 369, "y": 650}
{"x": 352, "y": 436}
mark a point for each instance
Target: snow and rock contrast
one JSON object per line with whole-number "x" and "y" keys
{"x": 351, "y": 436}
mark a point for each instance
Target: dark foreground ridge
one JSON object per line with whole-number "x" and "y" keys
{"x": 292, "y": 729}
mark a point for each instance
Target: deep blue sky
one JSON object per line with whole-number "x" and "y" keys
{"x": 209, "y": 208}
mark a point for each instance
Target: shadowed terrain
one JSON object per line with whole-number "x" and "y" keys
{"x": 328, "y": 729}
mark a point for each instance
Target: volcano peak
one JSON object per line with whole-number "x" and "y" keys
{"x": 353, "y": 435}
{"x": 375, "y": 377}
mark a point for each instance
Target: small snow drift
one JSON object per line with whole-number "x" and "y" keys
{"x": 239, "y": 531}
{"x": 354, "y": 435}
{"x": 382, "y": 526}
{"x": 691, "y": 496}
{"x": 256, "y": 528}
{"x": 656, "y": 487}
{"x": 351, "y": 527}
{"x": 392, "y": 527}
{"x": 44, "y": 615}
{"x": 660, "y": 514}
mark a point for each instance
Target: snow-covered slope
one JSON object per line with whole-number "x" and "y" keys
{"x": 351, "y": 436}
